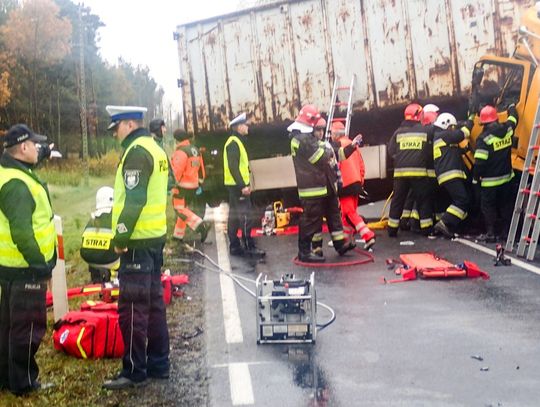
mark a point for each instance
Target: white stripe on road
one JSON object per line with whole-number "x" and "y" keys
{"x": 515, "y": 262}
{"x": 231, "y": 316}
{"x": 240, "y": 381}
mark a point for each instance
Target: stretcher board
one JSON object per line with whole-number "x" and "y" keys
{"x": 272, "y": 173}
{"x": 58, "y": 281}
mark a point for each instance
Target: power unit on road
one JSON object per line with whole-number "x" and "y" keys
{"x": 286, "y": 310}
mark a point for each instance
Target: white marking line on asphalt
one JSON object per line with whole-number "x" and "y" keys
{"x": 515, "y": 262}
{"x": 240, "y": 381}
{"x": 231, "y": 316}
{"x": 226, "y": 365}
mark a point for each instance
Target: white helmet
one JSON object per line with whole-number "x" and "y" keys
{"x": 445, "y": 120}
{"x": 430, "y": 107}
{"x": 104, "y": 199}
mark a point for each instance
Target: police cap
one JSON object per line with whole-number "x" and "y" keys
{"x": 19, "y": 133}
{"x": 119, "y": 113}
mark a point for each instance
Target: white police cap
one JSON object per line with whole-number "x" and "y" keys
{"x": 241, "y": 118}
{"x": 119, "y": 113}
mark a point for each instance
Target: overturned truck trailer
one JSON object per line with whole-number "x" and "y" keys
{"x": 270, "y": 60}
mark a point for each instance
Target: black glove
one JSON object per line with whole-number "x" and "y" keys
{"x": 512, "y": 111}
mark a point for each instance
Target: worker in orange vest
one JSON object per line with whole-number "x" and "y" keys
{"x": 189, "y": 173}
{"x": 351, "y": 166}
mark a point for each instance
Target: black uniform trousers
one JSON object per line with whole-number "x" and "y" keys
{"x": 421, "y": 189}
{"x": 241, "y": 216}
{"x": 497, "y": 201}
{"x": 311, "y": 222}
{"x": 23, "y": 322}
{"x": 143, "y": 321}
{"x": 459, "y": 195}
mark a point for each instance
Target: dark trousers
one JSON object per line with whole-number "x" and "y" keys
{"x": 142, "y": 319}
{"x": 459, "y": 196}
{"x": 421, "y": 190}
{"x": 241, "y": 216}
{"x": 23, "y": 321}
{"x": 311, "y": 222}
{"x": 497, "y": 201}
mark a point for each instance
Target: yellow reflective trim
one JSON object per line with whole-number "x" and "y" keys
{"x": 452, "y": 174}
{"x": 316, "y": 156}
{"x": 512, "y": 119}
{"x": 312, "y": 192}
{"x": 410, "y": 172}
{"x": 393, "y": 223}
{"x": 496, "y": 181}
{"x": 79, "y": 346}
{"x": 481, "y": 154}
{"x": 458, "y": 213}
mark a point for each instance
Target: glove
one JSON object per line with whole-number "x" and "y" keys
{"x": 512, "y": 111}
{"x": 358, "y": 141}
{"x": 198, "y": 191}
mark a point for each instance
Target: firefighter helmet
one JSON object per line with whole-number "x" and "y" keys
{"x": 445, "y": 120}
{"x": 321, "y": 124}
{"x": 413, "y": 112}
{"x": 488, "y": 114}
{"x": 430, "y": 107}
{"x": 429, "y": 114}
{"x": 104, "y": 198}
{"x": 308, "y": 115}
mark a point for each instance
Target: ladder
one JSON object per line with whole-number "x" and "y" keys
{"x": 526, "y": 210}
{"x": 338, "y": 104}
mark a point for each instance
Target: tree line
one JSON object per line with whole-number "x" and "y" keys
{"x": 41, "y": 50}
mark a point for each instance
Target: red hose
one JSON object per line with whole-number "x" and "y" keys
{"x": 367, "y": 258}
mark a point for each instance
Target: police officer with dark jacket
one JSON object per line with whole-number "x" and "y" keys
{"x": 140, "y": 225}
{"x": 451, "y": 171}
{"x": 316, "y": 179}
{"x": 28, "y": 247}
{"x": 236, "y": 179}
{"x": 411, "y": 150}
{"x": 493, "y": 169}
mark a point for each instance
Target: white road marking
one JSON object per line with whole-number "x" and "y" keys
{"x": 515, "y": 262}
{"x": 240, "y": 381}
{"x": 231, "y": 316}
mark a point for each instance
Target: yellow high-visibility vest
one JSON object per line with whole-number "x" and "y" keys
{"x": 244, "y": 163}
{"x": 42, "y": 222}
{"x": 152, "y": 220}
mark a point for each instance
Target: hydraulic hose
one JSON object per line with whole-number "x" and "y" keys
{"x": 367, "y": 258}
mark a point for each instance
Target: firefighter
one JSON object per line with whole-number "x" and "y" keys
{"x": 410, "y": 149}
{"x": 140, "y": 227}
{"x": 236, "y": 179}
{"x": 317, "y": 186}
{"x": 493, "y": 169}
{"x": 28, "y": 247}
{"x": 351, "y": 166}
{"x": 450, "y": 171}
{"x": 96, "y": 247}
{"x": 189, "y": 174}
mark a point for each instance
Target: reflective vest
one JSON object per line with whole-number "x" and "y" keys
{"x": 42, "y": 222}
{"x": 152, "y": 221}
{"x": 188, "y": 177}
{"x": 352, "y": 168}
{"x": 244, "y": 164}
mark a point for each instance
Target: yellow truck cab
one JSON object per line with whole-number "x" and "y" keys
{"x": 501, "y": 81}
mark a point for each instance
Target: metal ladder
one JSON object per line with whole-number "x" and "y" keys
{"x": 336, "y": 91}
{"x": 529, "y": 186}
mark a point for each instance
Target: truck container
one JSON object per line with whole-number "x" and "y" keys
{"x": 271, "y": 59}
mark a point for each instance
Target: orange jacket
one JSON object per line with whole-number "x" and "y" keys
{"x": 352, "y": 168}
{"x": 188, "y": 166}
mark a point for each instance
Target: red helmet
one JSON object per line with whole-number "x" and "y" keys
{"x": 337, "y": 127}
{"x": 428, "y": 117}
{"x": 413, "y": 112}
{"x": 488, "y": 114}
{"x": 308, "y": 115}
{"x": 321, "y": 124}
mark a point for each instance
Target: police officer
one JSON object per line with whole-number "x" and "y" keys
{"x": 236, "y": 180}
{"x": 411, "y": 150}
{"x": 451, "y": 171}
{"x": 189, "y": 174}
{"x": 96, "y": 247}
{"x": 28, "y": 247}
{"x": 139, "y": 223}
{"x": 493, "y": 169}
{"x": 316, "y": 179}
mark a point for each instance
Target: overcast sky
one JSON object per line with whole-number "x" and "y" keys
{"x": 141, "y": 32}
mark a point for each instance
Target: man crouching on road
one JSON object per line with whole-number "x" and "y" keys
{"x": 316, "y": 178}
{"x": 139, "y": 222}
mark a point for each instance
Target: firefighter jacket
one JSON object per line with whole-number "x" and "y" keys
{"x": 27, "y": 234}
{"x": 140, "y": 193}
{"x": 493, "y": 161}
{"x": 411, "y": 150}
{"x": 235, "y": 162}
{"x": 96, "y": 245}
{"x": 447, "y": 154}
{"x": 351, "y": 166}
{"x": 188, "y": 166}
{"x": 313, "y": 166}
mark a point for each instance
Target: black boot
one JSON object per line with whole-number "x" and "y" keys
{"x": 310, "y": 258}
{"x": 344, "y": 247}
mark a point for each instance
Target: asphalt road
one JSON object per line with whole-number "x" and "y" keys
{"x": 406, "y": 344}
